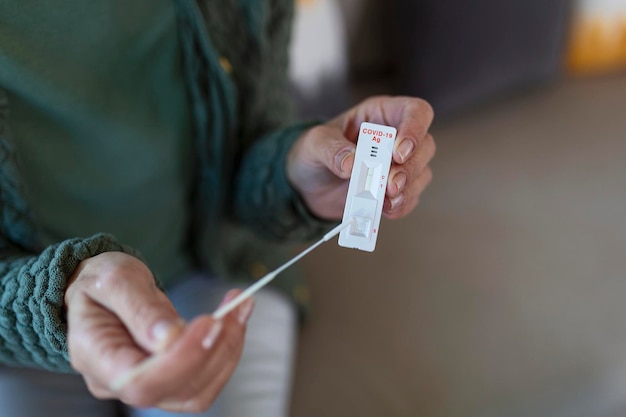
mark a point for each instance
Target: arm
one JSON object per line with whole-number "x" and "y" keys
{"x": 265, "y": 200}
{"x": 32, "y": 287}
{"x": 85, "y": 299}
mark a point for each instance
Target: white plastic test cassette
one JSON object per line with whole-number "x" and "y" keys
{"x": 368, "y": 184}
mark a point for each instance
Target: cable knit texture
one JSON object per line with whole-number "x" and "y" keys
{"x": 32, "y": 325}
{"x": 242, "y": 140}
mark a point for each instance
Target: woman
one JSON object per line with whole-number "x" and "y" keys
{"x": 137, "y": 138}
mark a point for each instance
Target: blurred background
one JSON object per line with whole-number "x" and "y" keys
{"x": 503, "y": 293}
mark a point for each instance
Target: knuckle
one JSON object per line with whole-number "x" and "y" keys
{"x": 114, "y": 275}
{"x": 320, "y": 132}
{"x": 112, "y": 279}
{"x": 319, "y": 139}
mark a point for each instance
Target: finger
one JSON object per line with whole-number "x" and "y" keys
{"x": 215, "y": 375}
{"x": 415, "y": 120}
{"x": 142, "y": 388}
{"x": 195, "y": 364}
{"x": 184, "y": 363}
{"x": 126, "y": 287}
{"x": 403, "y": 174}
{"x": 94, "y": 332}
{"x": 130, "y": 375}
{"x": 411, "y": 116}
{"x": 198, "y": 398}
{"x": 202, "y": 400}
{"x": 407, "y": 200}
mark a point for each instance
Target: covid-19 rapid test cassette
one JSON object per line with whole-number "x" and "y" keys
{"x": 368, "y": 184}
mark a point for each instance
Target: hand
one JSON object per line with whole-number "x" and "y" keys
{"x": 320, "y": 162}
{"x": 117, "y": 318}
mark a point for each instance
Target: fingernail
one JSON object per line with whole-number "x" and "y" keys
{"x": 212, "y": 336}
{"x": 400, "y": 181}
{"x": 342, "y": 158}
{"x": 164, "y": 331}
{"x": 405, "y": 148}
{"x": 397, "y": 201}
{"x": 245, "y": 310}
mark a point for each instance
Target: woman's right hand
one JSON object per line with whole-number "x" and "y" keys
{"x": 118, "y": 318}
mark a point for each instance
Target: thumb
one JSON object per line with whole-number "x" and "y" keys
{"x": 344, "y": 162}
{"x": 160, "y": 326}
{"x": 149, "y": 317}
{"x": 331, "y": 148}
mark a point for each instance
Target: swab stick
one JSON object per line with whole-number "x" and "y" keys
{"x": 225, "y": 309}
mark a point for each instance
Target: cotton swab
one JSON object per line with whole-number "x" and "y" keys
{"x": 225, "y": 309}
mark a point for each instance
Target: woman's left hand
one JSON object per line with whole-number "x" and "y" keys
{"x": 320, "y": 162}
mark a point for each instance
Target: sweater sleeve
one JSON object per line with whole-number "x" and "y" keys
{"x": 265, "y": 201}
{"x": 33, "y": 330}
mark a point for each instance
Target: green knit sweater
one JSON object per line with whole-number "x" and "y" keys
{"x": 235, "y": 57}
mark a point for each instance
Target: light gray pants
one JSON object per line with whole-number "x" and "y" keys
{"x": 259, "y": 387}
